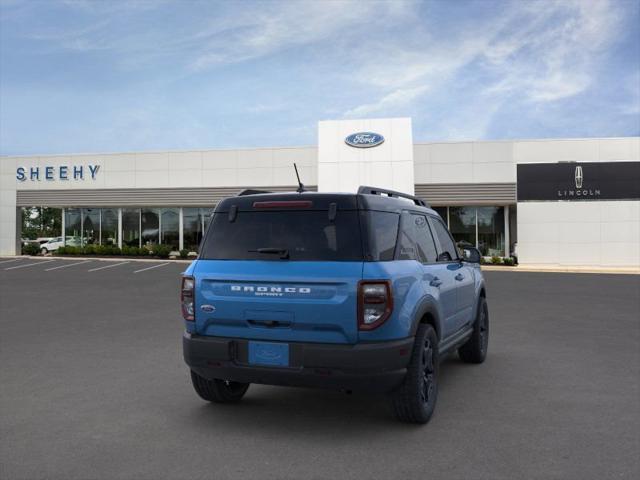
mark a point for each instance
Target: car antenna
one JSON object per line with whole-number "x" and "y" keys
{"x": 300, "y": 184}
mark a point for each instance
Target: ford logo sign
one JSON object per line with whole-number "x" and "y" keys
{"x": 364, "y": 139}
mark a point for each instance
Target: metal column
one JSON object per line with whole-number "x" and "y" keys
{"x": 120, "y": 228}
{"x": 507, "y": 241}
{"x": 180, "y": 231}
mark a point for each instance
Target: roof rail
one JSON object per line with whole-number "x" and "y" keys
{"x": 250, "y": 191}
{"x": 364, "y": 190}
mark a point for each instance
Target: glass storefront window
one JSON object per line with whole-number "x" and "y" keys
{"x": 207, "y": 214}
{"x": 41, "y": 222}
{"x": 150, "y": 226}
{"x": 462, "y": 224}
{"x": 442, "y": 211}
{"x": 109, "y": 226}
{"x": 131, "y": 227}
{"x": 90, "y": 226}
{"x": 192, "y": 228}
{"x": 491, "y": 230}
{"x": 170, "y": 227}
{"x": 72, "y": 227}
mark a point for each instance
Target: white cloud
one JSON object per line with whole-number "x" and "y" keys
{"x": 396, "y": 99}
{"x": 534, "y": 51}
{"x": 283, "y": 25}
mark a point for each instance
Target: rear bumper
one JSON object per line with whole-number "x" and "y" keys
{"x": 378, "y": 367}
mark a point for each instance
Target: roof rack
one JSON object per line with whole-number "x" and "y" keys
{"x": 250, "y": 191}
{"x": 364, "y": 190}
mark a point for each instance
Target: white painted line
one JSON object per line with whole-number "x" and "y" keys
{"x": 65, "y": 266}
{"x": 9, "y": 261}
{"x": 149, "y": 268}
{"x": 108, "y": 266}
{"x": 30, "y": 264}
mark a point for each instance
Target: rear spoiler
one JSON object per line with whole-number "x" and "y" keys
{"x": 364, "y": 190}
{"x": 251, "y": 191}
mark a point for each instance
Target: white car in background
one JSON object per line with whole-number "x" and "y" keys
{"x": 57, "y": 242}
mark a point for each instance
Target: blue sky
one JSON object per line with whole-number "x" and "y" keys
{"x": 104, "y": 76}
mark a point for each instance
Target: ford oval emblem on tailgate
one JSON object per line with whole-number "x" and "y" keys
{"x": 208, "y": 308}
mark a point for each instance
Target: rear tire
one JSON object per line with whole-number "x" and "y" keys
{"x": 415, "y": 400}
{"x": 475, "y": 349}
{"x": 218, "y": 391}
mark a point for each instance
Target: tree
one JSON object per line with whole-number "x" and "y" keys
{"x": 41, "y": 222}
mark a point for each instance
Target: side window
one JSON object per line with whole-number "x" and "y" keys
{"x": 424, "y": 240}
{"x": 407, "y": 242}
{"x": 447, "y": 248}
{"x": 416, "y": 242}
{"x": 383, "y": 233}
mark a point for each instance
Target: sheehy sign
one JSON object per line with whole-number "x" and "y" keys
{"x": 576, "y": 181}
{"x": 60, "y": 172}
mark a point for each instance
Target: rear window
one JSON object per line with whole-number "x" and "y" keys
{"x": 303, "y": 235}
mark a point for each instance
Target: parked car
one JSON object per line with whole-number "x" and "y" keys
{"x": 57, "y": 242}
{"x": 361, "y": 291}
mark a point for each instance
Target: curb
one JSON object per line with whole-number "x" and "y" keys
{"x": 559, "y": 269}
{"x": 99, "y": 259}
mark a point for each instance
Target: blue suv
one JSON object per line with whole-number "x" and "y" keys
{"x": 354, "y": 292}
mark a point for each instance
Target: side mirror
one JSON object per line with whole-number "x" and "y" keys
{"x": 444, "y": 257}
{"x": 471, "y": 255}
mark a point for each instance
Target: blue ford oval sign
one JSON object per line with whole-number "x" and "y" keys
{"x": 364, "y": 139}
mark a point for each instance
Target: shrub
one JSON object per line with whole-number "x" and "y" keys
{"x": 130, "y": 251}
{"x": 31, "y": 249}
{"x": 496, "y": 260}
{"x": 482, "y": 260}
{"x": 89, "y": 250}
{"x": 508, "y": 261}
{"x": 144, "y": 251}
{"x": 112, "y": 250}
{"x": 184, "y": 253}
{"x": 162, "y": 251}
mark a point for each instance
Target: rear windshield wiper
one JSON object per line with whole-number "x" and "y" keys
{"x": 283, "y": 252}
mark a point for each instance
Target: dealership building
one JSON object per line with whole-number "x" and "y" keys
{"x": 560, "y": 202}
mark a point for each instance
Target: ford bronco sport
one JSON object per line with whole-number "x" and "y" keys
{"x": 361, "y": 291}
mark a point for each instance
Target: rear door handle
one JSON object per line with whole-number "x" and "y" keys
{"x": 436, "y": 282}
{"x": 459, "y": 277}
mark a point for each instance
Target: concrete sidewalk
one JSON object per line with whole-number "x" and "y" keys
{"x": 561, "y": 269}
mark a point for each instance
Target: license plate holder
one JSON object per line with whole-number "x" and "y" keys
{"x": 269, "y": 354}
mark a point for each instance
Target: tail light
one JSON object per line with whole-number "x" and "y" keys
{"x": 375, "y": 303}
{"x": 187, "y": 298}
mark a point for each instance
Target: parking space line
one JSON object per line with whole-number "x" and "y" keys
{"x": 30, "y": 264}
{"x": 108, "y": 266}
{"x": 65, "y": 266}
{"x": 9, "y": 261}
{"x": 149, "y": 268}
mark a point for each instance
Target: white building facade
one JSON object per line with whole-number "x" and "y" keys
{"x": 565, "y": 202}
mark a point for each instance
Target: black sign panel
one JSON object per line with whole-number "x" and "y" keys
{"x": 577, "y": 181}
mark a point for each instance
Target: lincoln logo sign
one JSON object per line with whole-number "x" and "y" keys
{"x": 364, "y": 139}
{"x": 579, "y": 177}
{"x": 569, "y": 181}
{"x": 61, "y": 172}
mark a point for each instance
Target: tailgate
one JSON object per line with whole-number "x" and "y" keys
{"x": 275, "y": 300}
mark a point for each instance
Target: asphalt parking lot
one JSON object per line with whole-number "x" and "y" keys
{"x": 92, "y": 385}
